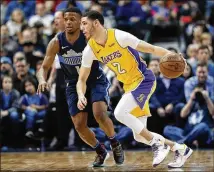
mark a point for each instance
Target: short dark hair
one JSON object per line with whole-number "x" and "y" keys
{"x": 202, "y": 47}
{"x": 94, "y": 15}
{"x": 72, "y": 9}
{"x": 202, "y": 65}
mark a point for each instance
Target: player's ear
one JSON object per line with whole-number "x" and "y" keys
{"x": 96, "y": 22}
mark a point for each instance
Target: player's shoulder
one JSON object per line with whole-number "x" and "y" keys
{"x": 88, "y": 49}
{"x": 119, "y": 32}
{"x": 54, "y": 44}
{"x": 60, "y": 36}
{"x": 54, "y": 41}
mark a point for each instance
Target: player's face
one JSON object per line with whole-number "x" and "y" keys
{"x": 87, "y": 26}
{"x": 72, "y": 22}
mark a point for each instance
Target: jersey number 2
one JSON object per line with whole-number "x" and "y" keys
{"x": 117, "y": 65}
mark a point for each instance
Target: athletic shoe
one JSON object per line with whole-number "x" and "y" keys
{"x": 118, "y": 153}
{"x": 180, "y": 157}
{"x": 100, "y": 159}
{"x": 160, "y": 152}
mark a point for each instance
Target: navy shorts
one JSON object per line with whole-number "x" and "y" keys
{"x": 96, "y": 91}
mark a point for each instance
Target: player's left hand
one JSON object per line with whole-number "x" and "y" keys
{"x": 42, "y": 87}
{"x": 82, "y": 102}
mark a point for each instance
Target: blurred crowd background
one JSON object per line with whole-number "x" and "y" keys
{"x": 182, "y": 108}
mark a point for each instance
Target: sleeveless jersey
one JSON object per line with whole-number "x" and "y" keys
{"x": 125, "y": 62}
{"x": 70, "y": 58}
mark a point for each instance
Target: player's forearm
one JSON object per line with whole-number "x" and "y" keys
{"x": 81, "y": 88}
{"x": 186, "y": 109}
{"x": 160, "y": 52}
{"x": 149, "y": 48}
{"x": 42, "y": 74}
{"x": 52, "y": 75}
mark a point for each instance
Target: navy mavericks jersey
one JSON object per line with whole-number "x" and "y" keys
{"x": 70, "y": 58}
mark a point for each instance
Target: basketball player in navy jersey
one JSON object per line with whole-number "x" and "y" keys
{"x": 69, "y": 45}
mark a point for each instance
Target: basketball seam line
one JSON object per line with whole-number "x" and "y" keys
{"x": 171, "y": 70}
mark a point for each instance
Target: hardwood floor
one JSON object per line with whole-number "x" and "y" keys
{"x": 201, "y": 160}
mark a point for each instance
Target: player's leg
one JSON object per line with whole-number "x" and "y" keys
{"x": 100, "y": 114}
{"x": 182, "y": 152}
{"x": 88, "y": 136}
{"x": 80, "y": 124}
{"x": 106, "y": 124}
{"x": 100, "y": 100}
{"x": 180, "y": 149}
{"x": 79, "y": 119}
{"x": 123, "y": 113}
{"x": 141, "y": 95}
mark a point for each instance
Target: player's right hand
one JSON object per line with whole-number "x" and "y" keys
{"x": 82, "y": 102}
{"x": 43, "y": 86}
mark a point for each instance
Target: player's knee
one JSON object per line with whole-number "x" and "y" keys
{"x": 99, "y": 115}
{"x": 79, "y": 126}
{"x": 99, "y": 111}
{"x": 119, "y": 114}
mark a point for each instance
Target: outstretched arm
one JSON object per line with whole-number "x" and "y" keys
{"x": 126, "y": 39}
{"x": 52, "y": 50}
{"x": 149, "y": 48}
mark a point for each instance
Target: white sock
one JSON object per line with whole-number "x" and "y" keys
{"x": 154, "y": 140}
{"x": 158, "y": 136}
{"x": 177, "y": 146}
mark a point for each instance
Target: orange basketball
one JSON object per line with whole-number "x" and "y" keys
{"x": 172, "y": 65}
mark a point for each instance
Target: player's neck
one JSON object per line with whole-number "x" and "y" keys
{"x": 101, "y": 37}
{"x": 72, "y": 37}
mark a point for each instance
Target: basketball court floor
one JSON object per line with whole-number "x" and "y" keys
{"x": 201, "y": 160}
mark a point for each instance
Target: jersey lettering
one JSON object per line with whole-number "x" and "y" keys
{"x": 111, "y": 56}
